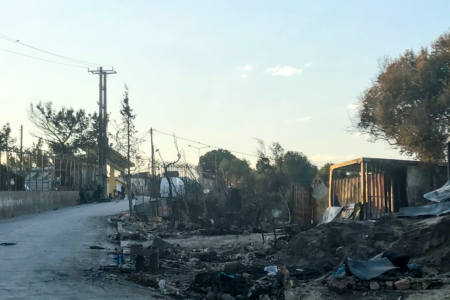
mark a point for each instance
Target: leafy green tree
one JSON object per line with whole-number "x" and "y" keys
{"x": 65, "y": 131}
{"x": 408, "y": 104}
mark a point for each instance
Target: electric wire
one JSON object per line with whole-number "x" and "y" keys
{"x": 54, "y": 62}
{"x": 51, "y": 53}
{"x": 204, "y": 144}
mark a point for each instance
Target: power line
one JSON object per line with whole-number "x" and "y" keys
{"x": 54, "y": 62}
{"x": 204, "y": 144}
{"x": 54, "y": 54}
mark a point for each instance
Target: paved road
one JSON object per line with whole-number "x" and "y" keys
{"x": 52, "y": 254}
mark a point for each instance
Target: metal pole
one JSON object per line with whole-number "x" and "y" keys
{"x": 53, "y": 173}
{"x": 21, "y": 148}
{"x": 1, "y": 180}
{"x": 448, "y": 160}
{"x": 152, "y": 190}
{"x": 29, "y": 176}
{"x": 42, "y": 167}
{"x": 37, "y": 173}
{"x": 215, "y": 161}
{"x": 8, "y": 177}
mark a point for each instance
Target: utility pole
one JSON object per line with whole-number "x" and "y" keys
{"x": 215, "y": 161}
{"x": 200, "y": 177}
{"x": 103, "y": 145}
{"x": 153, "y": 190}
{"x": 21, "y": 148}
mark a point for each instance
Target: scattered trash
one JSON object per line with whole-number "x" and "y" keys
{"x": 339, "y": 270}
{"x": 440, "y": 195}
{"x": 271, "y": 270}
{"x": 8, "y": 244}
{"x": 162, "y": 285}
{"x": 96, "y": 247}
{"x": 367, "y": 270}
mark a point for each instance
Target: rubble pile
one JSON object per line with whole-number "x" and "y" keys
{"x": 388, "y": 254}
{"x": 191, "y": 261}
{"x": 148, "y": 253}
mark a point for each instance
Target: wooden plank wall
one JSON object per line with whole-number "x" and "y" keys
{"x": 347, "y": 191}
{"x": 303, "y": 206}
{"x": 378, "y": 190}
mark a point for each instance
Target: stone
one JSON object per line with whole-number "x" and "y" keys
{"x": 374, "y": 285}
{"x": 211, "y": 296}
{"x": 290, "y": 295}
{"x": 197, "y": 255}
{"x": 247, "y": 276}
{"x": 337, "y": 286}
{"x": 366, "y": 283}
{"x": 264, "y": 297}
{"x": 239, "y": 297}
{"x": 416, "y": 286}
{"x": 257, "y": 245}
{"x": 227, "y": 297}
{"x": 426, "y": 284}
{"x": 342, "y": 275}
{"x": 402, "y": 284}
{"x": 281, "y": 244}
{"x": 390, "y": 285}
{"x": 231, "y": 268}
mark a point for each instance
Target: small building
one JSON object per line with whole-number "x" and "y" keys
{"x": 382, "y": 186}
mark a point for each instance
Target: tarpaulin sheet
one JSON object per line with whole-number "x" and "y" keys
{"x": 439, "y": 195}
{"x": 367, "y": 270}
{"x": 435, "y": 209}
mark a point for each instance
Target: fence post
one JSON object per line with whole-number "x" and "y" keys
{"x": 1, "y": 179}
{"x": 42, "y": 171}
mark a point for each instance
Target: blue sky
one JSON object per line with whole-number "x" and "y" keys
{"x": 218, "y": 72}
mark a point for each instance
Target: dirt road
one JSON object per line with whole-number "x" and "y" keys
{"x": 52, "y": 254}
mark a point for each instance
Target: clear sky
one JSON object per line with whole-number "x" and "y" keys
{"x": 218, "y": 72}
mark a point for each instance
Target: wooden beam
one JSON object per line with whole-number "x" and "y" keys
{"x": 347, "y": 163}
{"x": 330, "y": 188}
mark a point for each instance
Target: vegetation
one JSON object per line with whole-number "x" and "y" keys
{"x": 408, "y": 104}
{"x": 65, "y": 131}
{"x": 126, "y": 142}
{"x": 6, "y": 141}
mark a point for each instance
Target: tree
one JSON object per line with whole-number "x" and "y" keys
{"x": 212, "y": 159}
{"x": 299, "y": 169}
{"x": 235, "y": 173}
{"x": 65, "y": 131}
{"x": 126, "y": 142}
{"x": 408, "y": 104}
{"x": 6, "y": 141}
{"x": 280, "y": 171}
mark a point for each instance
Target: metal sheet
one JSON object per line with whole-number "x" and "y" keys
{"x": 435, "y": 209}
{"x": 331, "y": 213}
{"x": 367, "y": 270}
{"x": 439, "y": 195}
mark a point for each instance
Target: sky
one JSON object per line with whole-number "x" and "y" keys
{"x": 218, "y": 72}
